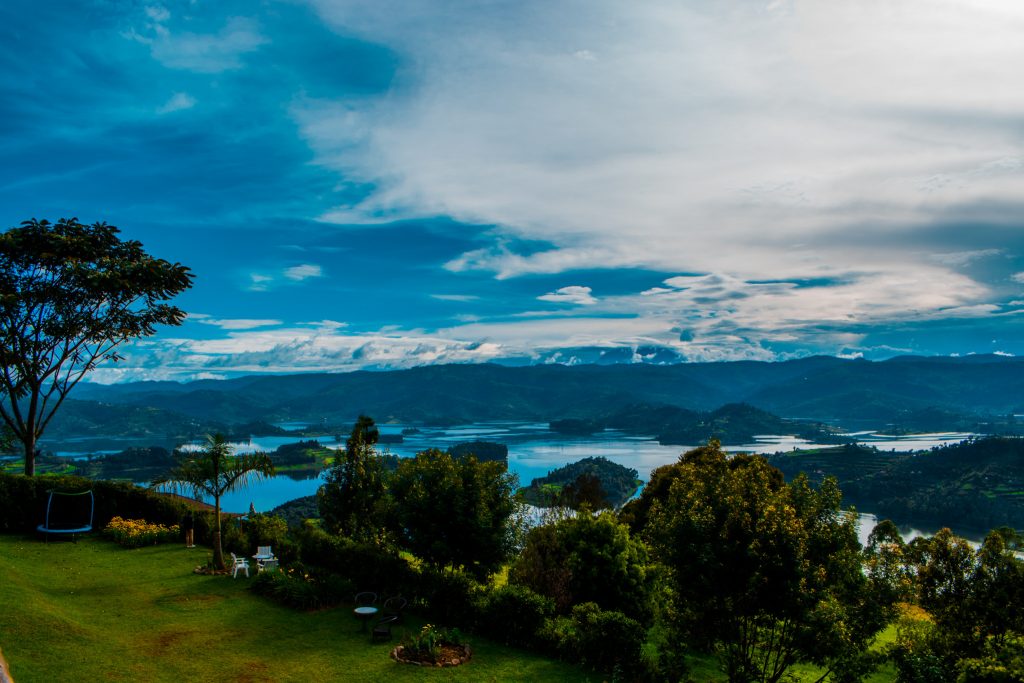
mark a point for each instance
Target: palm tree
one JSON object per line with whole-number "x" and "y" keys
{"x": 214, "y": 471}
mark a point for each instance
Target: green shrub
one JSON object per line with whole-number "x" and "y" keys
{"x": 292, "y": 587}
{"x": 602, "y": 640}
{"x": 514, "y": 615}
{"x": 265, "y": 529}
{"x": 367, "y": 566}
{"x": 449, "y": 597}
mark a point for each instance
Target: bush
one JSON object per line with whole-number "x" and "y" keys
{"x": 366, "y": 566}
{"x": 449, "y": 597}
{"x": 264, "y": 529}
{"x": 134, "y": 533}
{"x": 602, "y": 640}
{"x": 293, "y": 588}
{"x": 514, "y": 615}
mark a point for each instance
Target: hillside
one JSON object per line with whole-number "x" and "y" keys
{"x": 961, "y": 390}
{"x": 978, "y": 483}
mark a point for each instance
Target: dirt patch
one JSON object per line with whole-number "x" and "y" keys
{"x": 169, "y": 640}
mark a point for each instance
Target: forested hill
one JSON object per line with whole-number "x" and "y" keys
{"x": 897, "y": 391}
{"x": 978, "y": 483}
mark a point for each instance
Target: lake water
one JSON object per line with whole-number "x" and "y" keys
{"x": 533, "y": 451}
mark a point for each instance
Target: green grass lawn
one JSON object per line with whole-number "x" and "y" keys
{"x": 95, "y": 611}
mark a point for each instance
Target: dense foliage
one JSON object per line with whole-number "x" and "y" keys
{"x": 586, "y": 558}
{"x": 353, "y": 501}
{"x": 454, "y": 512}
{"x": 765, "y": 573}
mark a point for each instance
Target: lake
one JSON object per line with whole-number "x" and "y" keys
{"x": 533, "y": 451}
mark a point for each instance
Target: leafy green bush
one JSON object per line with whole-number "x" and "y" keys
{"x": 366, "y": 566}
{"x": 514, "y": 615}
{"x": 293, "y": 587}
{"x": 265, "y": 529}
{"x": 602, "y": 640}
{"x": 449, "y": 597}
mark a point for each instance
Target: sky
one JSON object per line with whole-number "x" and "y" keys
{"x": 381, "y": 184}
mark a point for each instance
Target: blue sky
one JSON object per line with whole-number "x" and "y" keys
{"x": 385, "y": 184}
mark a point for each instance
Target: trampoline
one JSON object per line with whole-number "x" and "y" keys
{"x": 68, "y": 513}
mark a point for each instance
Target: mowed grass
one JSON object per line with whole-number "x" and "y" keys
{"x": 96, "y": 611}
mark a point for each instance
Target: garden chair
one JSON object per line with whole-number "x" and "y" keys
{"x": 366, "y": 599}
{"x": 393, "y": 607}
{"x": 266, "y": 565}
{"x": 239, "y": 563}
{"x": 382, "y": 629}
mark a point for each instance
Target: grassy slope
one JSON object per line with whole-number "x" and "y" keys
{"x": 94, "y": 611}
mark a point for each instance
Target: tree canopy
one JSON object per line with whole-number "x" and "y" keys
{"x": 70, "y": 295}
{"x": 353, "y": 499}
{"x": 454, "y": 512}
{"x": 765, "y": 573}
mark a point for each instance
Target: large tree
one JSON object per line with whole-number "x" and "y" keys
{"x": 586, "y": 558}
{"x": 455, "y": 512}
{"x": 214, "y": 471}
{"x": 70, "y": 295}
{"x": 353, "y": 499}
{"x": 764, "y": 573}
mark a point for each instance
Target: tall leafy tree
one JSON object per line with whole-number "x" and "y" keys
{"x": 764, "y": 573}
{"x": 353, "y": 500}
{"x": 455, "y": 512}
{"x": 70, "y": 295}
{"x": 586, "y": 558}
{"x": 213, "y": 472}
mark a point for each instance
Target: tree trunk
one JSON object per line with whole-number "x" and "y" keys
{"x": 30, "y": 456}
{"x": 218, "y": 552}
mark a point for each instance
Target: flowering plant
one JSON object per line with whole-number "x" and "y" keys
{"x": 133, "y": 533}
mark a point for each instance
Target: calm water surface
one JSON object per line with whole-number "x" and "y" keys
{"x": 533, "y": 451}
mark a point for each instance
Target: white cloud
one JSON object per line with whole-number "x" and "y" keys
{"x": 573, "y": 294}
{"x": 177, "y": 102}
{"x": 303, "y": 272}
{"x": 1018, "y": 277}
{"x": 455, "y": 297}
{"x": 798, "y": 141}
{"x": 199, "y": 52}
{"x": 259, "y": 282}
{"x": 234, "y": 323}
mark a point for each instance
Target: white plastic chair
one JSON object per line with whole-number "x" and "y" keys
{"x": 239, "y": 563}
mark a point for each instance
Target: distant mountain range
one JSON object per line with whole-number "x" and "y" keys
{"x": 908, "y": 393}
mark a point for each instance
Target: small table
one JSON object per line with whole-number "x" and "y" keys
{"x": 364, "y": 614}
